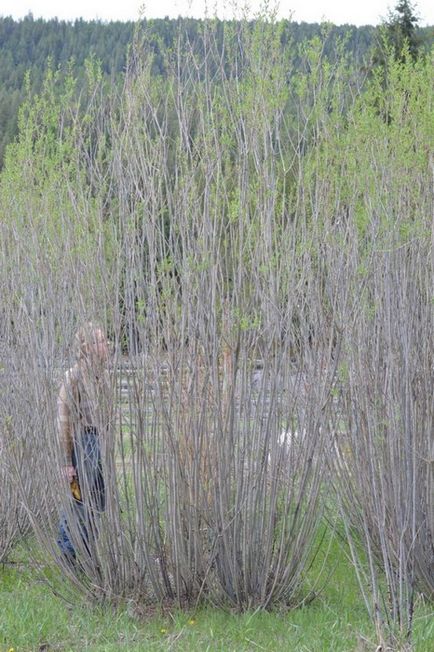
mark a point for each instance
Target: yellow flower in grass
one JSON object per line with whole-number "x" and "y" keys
{"x": 192, "y": 621}
{"x": 163, "y": 630}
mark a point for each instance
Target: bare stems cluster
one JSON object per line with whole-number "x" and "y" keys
{"x": 256, "y": 243}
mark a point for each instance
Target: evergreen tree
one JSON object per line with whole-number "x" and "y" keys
{"x": 401, "y": 29}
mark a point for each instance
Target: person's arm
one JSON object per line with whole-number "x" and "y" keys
{"x": 65, "y": 428}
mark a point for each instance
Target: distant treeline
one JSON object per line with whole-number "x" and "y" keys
{"x": 26, "y": 46}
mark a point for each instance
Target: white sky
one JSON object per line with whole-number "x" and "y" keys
{"x": 356, "y": 12}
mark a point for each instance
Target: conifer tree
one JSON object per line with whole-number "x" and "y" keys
{"x": 401, "y": 29}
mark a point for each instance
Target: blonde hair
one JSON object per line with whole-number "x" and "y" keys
{"x": 84, "y": 337}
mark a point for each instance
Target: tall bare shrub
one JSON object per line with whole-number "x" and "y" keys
{"x": 384, "y": 441}
{"x": 172, "y": 216}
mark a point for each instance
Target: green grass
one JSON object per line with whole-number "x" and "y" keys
{"x": 31, "y": 617}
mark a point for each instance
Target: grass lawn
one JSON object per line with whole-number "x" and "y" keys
{"x": 32, "y": 618}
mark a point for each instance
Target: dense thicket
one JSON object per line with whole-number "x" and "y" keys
{"x": 261, "y": 255}
{"x": 26, "y": 45}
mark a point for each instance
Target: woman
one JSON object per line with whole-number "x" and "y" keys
{"x": 83, "y": 409}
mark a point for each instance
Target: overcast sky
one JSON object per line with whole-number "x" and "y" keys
{"x": 356, "y": 12}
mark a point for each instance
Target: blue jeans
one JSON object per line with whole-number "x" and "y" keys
{"x": 83, "y": 514}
